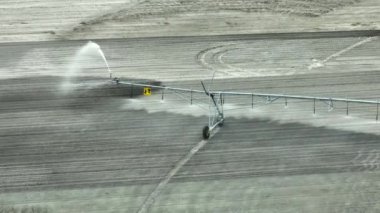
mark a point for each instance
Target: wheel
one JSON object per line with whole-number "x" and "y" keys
{"x": 206, "y": 132}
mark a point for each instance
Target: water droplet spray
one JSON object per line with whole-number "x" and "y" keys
{"x": 75, "y": 66}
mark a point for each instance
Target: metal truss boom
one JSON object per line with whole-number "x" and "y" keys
{"x": 299, "y": 97}
{"x": 216, "y": 101}
{"x": 263, "y": 95}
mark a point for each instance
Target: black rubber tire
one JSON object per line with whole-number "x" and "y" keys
{"x": 206, "y": 132}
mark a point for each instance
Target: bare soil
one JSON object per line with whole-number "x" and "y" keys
{"x": 56, "y": 20}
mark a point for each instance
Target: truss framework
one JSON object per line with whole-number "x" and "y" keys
{"x": 216, "y": 101}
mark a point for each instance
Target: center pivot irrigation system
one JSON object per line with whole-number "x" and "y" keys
{"x": 216, "y": 100}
